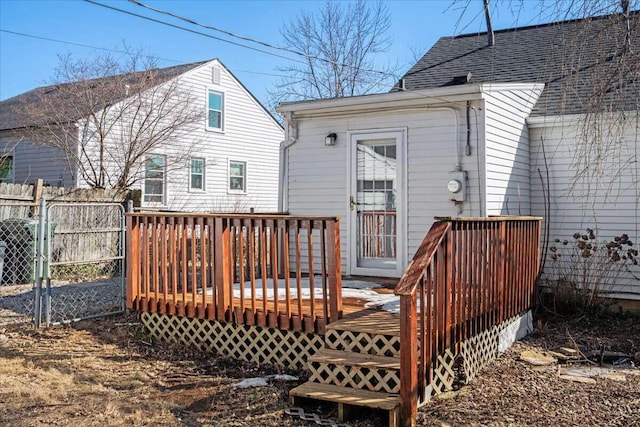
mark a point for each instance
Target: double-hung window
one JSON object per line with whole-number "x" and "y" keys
{"x": 155, "y": 171}
{"x": 237, "y": 176}
{"x": 196, "y": 174}
{"x": 215, "y": 110}
{"x": 6, "y": 168}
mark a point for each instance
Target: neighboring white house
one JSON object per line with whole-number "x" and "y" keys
{"x": 225, "y": 160}
{"x": 480, "y": 130}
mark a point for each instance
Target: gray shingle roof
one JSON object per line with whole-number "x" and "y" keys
{"x": 10, "y": 109}
{"x": 580, "y": 62}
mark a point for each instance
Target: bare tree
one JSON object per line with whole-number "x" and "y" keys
{"x": 106, "y": 115}
{"x": 338, "y": 44}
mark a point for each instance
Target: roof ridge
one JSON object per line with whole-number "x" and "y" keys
{"x": 632, "y": 13}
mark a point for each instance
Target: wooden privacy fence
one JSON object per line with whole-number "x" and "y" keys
{"x": 266, "y": 270}
{"x": 467, "y": 276}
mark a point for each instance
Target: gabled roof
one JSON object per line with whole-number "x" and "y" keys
{"x": 11, "y": 118}
{"x": 578, "y": 60}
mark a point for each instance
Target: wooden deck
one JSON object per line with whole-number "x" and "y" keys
{"x": 468, "y": 279}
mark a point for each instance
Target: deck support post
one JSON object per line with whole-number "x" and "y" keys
{"x": 408, "y": 360}
{"x": 133, "y": 261}
{"x": 335, "y": 275}
{"x": 221, "y": 277}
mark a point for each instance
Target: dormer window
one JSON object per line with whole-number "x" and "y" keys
{"x": 215, "y": 107}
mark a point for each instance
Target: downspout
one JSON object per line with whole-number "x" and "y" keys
{"x": 291, "y": 137}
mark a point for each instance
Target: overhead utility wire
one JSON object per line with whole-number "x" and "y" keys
{"x": 252, "y": 40}
{"x": 78, "y": 44}
{"x": 33, "y": 36}
{"x": 191, "y": 31}
{"x": 253, "y": 48}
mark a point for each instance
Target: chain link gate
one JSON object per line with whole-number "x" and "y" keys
{"x": 83, "y": 268}
{"x": 18, "y": 224}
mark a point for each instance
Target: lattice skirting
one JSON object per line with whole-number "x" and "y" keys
{"x": 463, "y": 365}
{"x": 385, "y": 380}
{"x": 363, "y": 342}
{"x": 242, "y": 342}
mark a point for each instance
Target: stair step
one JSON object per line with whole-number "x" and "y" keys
{"x": 362, "y": 360}
{"x": 356, "y": 370}
{"x": 376, "y": 322}
{"x": 348, "y": 396}
{"x": 370, "y": 332}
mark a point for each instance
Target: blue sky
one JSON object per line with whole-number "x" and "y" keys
{"x": 27, "y": 62}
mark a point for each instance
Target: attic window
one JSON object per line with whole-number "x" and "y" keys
{"x": 215, "y": 75}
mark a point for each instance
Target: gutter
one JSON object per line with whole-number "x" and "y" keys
{"x": 291, "y": 137}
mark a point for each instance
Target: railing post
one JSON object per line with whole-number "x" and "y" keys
{"x": 408, "y": 360}
{"x": 502, "y": 271}
{"x": 133, "y": 259}
{"x": 333, "y": 267}
{"x": 221, "y": 278}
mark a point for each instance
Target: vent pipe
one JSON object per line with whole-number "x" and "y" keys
{"x": 491, "y": 40}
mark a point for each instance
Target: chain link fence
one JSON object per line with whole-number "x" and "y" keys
{"x": 85, "y": 268}
{"x": 82, "y": 262}
{"x": 18, "y": 224}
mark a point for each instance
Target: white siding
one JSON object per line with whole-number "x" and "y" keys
{"x": 33, "y": 161}
{"x": 507, "y": 151}
{"x": 250, "y": 135}
{"x": 317, "y": 182}
{"x": 608, "y": 201}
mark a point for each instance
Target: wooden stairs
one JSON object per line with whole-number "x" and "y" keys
{"x": 359, "y": 367}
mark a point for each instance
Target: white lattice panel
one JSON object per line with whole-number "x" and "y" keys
{"x": 384, "y": 380}
{"x": 242, "y": 342}
{"x": 362, "y": 342}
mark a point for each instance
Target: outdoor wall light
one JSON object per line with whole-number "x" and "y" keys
{"x": 330, "y": 139}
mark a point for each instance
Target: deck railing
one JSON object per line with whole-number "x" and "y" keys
{"x": 468, "y": 275}
{"x": 266, "y": 270}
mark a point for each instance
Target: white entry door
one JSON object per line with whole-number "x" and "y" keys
{"x": 376, "y": 203}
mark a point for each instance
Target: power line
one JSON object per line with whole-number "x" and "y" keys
{"x": 191, "y": 31}
{"x": 77, "y": 44}
{"x": 252, "y": 40}
{"x": 33, "y": 36}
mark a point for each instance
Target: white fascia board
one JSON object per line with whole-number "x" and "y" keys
{"x": 401, "y": 99}
{"x": 498, "y": 87}
{"x": 409, "y": 98}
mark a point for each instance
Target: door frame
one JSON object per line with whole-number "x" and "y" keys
{"x": 400, "y": 135}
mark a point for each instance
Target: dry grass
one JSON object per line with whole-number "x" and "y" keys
{"x": 108, "y": 373}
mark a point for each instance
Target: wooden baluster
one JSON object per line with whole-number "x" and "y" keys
{"x": 299, "y": 269}
{"x": 273, "y": 258}
{"x": 210, "y": 271}
{"x": 312, "y": 290}
{"x": 252, "y": 265}
{"x": 283, "y": 225}
{"x": 241, "y": 268}
{"x": 263, "y": 267}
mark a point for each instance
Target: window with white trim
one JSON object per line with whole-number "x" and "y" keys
{"x": 237, "y": 176}
{"x": 155, "y": 172}
{"x": 196, "y": 174}
{"x": 6, "y": 168}
{"x": 215, "y": 110}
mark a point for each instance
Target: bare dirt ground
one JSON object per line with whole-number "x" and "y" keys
{"x": 109, "y": 373}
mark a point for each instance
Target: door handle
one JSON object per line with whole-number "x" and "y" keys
{"x": 352, "y": 203}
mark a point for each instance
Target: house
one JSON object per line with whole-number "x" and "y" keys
{"x": 543, "y": 122}
{"x": 195, "y": 137}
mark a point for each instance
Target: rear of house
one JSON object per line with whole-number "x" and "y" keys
{"x": 529, "y": 126}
